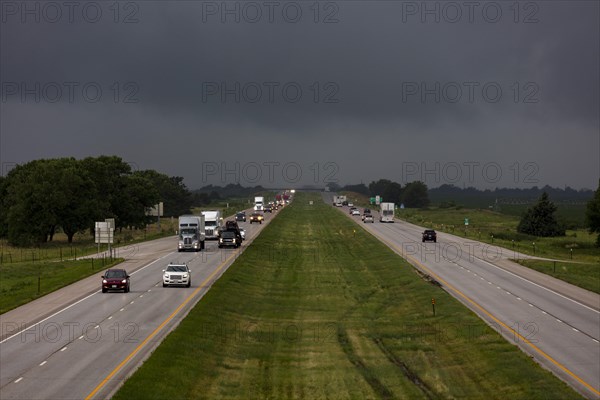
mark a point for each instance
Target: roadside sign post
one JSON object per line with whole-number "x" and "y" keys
{"x": 104, "y": 233}
{"x": 433, "y": 305}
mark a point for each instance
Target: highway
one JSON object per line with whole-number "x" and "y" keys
{"x": 555, "y": 322}
{"x": 81, "y": 343}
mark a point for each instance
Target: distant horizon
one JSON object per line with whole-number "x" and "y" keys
{"x": 316, "y": 187}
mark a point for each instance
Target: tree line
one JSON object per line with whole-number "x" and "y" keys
{"x": 538, "y": 220}
{"x": 41, "y": 197}
{"x": 412, "y": 195}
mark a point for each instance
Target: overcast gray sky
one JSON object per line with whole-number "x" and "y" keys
{"x": 283, "y": 93}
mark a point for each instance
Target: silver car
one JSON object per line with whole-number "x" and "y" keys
{"x": 177, "y": 274}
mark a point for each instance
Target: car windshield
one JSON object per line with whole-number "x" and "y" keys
{"x": 228, "y": 234}
{"x": 115, "y": 274}
{"x": 177, "y": 268}
{"x": 210, "y": 223}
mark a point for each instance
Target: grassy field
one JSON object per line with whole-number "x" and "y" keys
{"x": 83, "y": 244}
{"x": 501, "y": 229}
{"x": 584, "y": 275}
{"x": 23, "y": 282}
{"x": 313, "y": 310}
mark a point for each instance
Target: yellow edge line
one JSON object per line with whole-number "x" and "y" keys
{"x": 474, "y": 303}
{"x": 162, "y": 325}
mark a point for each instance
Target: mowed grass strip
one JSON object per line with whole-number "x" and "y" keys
{"x": 23, "y": 282}
{"x": 313, "y": 309}
{"x": 584, "y": 275}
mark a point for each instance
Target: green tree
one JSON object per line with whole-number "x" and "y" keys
{"x": 77, "y": 195}
{"x": 137, "y": 195}
{"x": 540, "y": 220}
{"x": 592, "y": 214}
{"x": 415, "y": 195}
{"x": 378, "y": 187}
{"x": 108, "y": 173}
{"x": 3, "y": 206}
{"x": 392, "y": 193}
{"x": 32, "y": 203}
{"x": 172, "y": 191}
{"x": 42, "y": 195}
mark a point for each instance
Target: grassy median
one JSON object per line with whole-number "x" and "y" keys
{"x": 318, "y": 308}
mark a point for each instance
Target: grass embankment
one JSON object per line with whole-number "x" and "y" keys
{"x": 312, "y": 310}
{"x": 19, "y": 282}
{"x": 584, "y": 275}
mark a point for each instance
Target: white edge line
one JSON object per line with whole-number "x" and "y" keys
{"x": 19, "y": 380}
{"x": 538, "y": 285}
{"x": 531, "y": 282}
{"x": 74, "y": 304}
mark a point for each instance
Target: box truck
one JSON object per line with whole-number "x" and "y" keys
{"x": 212, "y": 223}
{"x": 191, "y": 233}
{"x": 386, "y": 212}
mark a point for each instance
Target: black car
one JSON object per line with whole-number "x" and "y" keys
{"x": 229, "y": 239}
{"x": 240, "y": 217}
{"x": 268, "y": 209}
{"x": 232, "y": 226}
{"x": 429, "y": 236}
{"x": 115, "y": 279}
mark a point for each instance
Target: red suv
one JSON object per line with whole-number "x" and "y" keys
{"x": 115, "y": 279}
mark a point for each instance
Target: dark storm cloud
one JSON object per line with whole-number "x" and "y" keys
{"x": 416, "y": 89}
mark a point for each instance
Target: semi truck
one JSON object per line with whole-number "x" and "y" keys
{"x": 386, "y": 212}
{"x": 259, "y": 203}
{"x": 191, "y": 233}
{"x": 212, "y": 224}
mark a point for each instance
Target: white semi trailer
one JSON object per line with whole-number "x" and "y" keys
{"x": 259, "y": 202}
{"x": 191, "y": 233}
{"x": 386, "y": 212}
{"x": 212, "y": 223}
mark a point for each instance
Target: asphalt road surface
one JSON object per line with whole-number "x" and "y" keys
{"x": 81, "y": 343}
{"x": 555, "y": 322}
